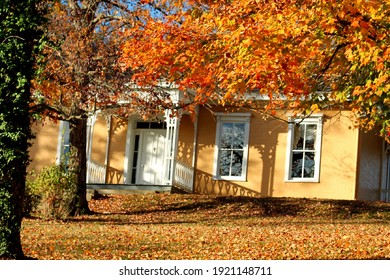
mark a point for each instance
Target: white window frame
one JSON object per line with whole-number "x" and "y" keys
{"x": 231, "y": 118}
{"x": 313, "y": 119}
{"x": 63, "y": 142}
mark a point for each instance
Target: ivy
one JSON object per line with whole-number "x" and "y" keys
{"x": 19, "y": 32}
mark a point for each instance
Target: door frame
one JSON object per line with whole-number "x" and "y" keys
{"x": 132, "y": 131}
{"x": 142, "y": 149}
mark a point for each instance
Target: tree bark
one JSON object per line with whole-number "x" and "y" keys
{"x": 11, "y": 208}
{"x": 78, "y": 164}
{"x": 18, "y": 34}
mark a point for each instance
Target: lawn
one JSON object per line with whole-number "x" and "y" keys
{"x": 188, "y": 227}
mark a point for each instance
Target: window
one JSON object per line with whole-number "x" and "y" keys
{"x": 304, "y": 150}
{"x": 135, "y": 159}
{"x": 63, "y": 143}
{"x": 231, "y": 152}
{"x": 152, "y": 125}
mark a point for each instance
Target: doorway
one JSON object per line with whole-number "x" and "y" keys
{"x": 148, "y": 154}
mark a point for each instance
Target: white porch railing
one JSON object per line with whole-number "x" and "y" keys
{"x": 96, "y": 173}
{"x": 184, "y": 176}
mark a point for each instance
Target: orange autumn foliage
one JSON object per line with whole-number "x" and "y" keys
{"x": 324, "y": 53}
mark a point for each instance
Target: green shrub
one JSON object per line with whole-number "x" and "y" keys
{"x": 31, "y": 199}
{"x": 51, "y": 193}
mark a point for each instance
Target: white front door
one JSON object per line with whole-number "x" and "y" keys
{"x": 151, "y": 163}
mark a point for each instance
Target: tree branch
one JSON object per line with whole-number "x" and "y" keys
{"x": 13, "y": 36}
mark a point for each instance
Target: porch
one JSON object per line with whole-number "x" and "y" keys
{"x": 97, "y": 173}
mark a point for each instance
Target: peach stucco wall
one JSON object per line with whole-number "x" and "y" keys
{"x": 116, "y": 145}
{"x": 185, "y": 146}
{"x": 43, "y": 150}
{"x": 99, "y": 140}
{"x": 267, "y": 157}
{"x": 339, "y": 168}
{"x": 116, "y": 154}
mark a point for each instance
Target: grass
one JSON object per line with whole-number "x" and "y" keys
{"x": 161, "y": 226}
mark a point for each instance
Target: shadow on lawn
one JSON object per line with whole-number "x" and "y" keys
{"x": 195, "y": 209}
{"x": 272, "y": 207}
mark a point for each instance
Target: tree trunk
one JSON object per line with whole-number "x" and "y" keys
{"x": 18, "y": 34}
{"x": 11, "y": 211}
{"x": 78, "y": 164}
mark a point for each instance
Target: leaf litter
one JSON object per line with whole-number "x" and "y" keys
{"x": 176, "y": 226}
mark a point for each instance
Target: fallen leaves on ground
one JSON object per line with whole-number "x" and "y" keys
{"x": 174, "y": 226}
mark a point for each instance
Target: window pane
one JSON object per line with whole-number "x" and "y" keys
{"x": 226, "y": 135}
{"x": 297, "y": 162}
{"x": 309, "y": 165}
{"x": 136, "y": 143}
{"x": 311, "y": 132}
{"x": 65, "y": 133}
{"x": 224, "y": 163}
{"x": 237, "y": 163}
{"x": 142, "y": 125}
{"x": 299, "y": 134}
{"x": 157, "y": 125}
{"x": 238, "y": 136}
{"x": 303, "y": 158}
{"x": 232, "y": 147}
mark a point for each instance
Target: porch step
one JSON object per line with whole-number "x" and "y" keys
{"x": 93, "y": 189}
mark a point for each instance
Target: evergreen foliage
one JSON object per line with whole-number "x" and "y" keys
{"x": 20, "y": 22}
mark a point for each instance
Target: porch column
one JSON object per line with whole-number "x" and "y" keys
{"x": 106, "y": 159}
{"x": 173, "y": 122}
{"x": 195, "y": 149}
{"x": 129, "y": 150}
{"x": 90, "y": 126}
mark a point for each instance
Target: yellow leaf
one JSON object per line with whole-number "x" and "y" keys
{"x": 314, "y": 107}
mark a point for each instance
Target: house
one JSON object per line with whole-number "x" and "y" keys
{"x": 229, "y": 153}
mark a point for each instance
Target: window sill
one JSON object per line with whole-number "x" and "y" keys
{"x": 311, "y": 180}
{"x": 230, "y": 179}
